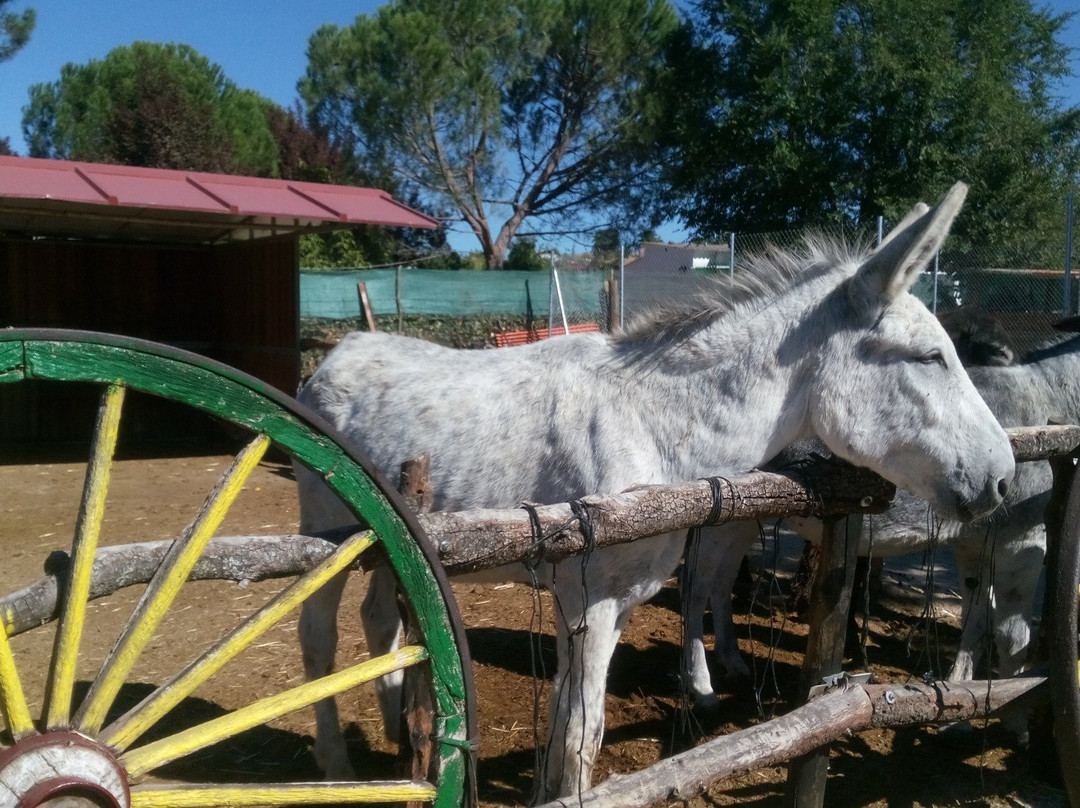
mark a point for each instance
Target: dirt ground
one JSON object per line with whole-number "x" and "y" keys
{"x": 154, "y": 498}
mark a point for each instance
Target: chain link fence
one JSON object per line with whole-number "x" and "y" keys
{"x": 1026, "y": 289}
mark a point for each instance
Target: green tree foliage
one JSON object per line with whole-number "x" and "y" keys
{"x": 500, "y": 110}
{"x": 607, "y": 244}
{"x": 523, "y": 255}
{"x": 15, "y": 30}
{"x": 150, "y": 104}
{"x": 166, "y": 106}
{"x": 837, "y": 111}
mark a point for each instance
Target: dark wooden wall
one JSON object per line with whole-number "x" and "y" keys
{"x": 238, "y": 304}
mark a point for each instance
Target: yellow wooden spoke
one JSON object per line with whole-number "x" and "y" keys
{"x": 165, "y": 585}
{"x": 12, "y": 699}
{"x": 126, "y": 729}
{"x": 146, "y": 758}
{"x": 61, "y": 679}
{"x": 211, "y": 796}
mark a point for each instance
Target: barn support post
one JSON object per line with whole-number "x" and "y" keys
{"x": 830, "y": 602}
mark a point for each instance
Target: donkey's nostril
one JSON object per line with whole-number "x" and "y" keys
{"x": 1003, "y": 487}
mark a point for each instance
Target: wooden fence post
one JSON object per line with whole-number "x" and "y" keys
{"x": 830, "y": 602}
{"x": 611, "y": 288}
{"x": 365, "y": 305}
{"x": 417, "y": 748}
{"x": 1059, "y": 725}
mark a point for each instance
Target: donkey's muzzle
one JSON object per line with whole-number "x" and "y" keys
{"x": 992, "y": 497}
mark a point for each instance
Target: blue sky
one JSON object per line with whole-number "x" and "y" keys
{"x": 260, "y": 45}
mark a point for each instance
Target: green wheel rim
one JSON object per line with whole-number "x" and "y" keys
{"x": 120, "y": 363}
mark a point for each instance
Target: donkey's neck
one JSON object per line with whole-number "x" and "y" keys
{"x": 727, "y": 402}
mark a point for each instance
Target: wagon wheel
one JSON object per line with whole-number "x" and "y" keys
{"x": 81, "y": 749}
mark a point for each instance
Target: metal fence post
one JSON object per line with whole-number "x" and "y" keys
{"x": 933, "y": 308}
{"x": 1067, "y": 307}
{"x": 622, "y": 284}
{"x": 731, "y": 254}
{"x": 551, "y": 295}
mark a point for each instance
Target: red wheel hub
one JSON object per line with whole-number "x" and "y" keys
{"x": 41, "y": 768}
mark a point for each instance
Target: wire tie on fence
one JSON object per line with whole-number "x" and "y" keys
{"x": 717, "y": 499}
{"x": 536, "y": 548}
{"x": 585, "y": 525}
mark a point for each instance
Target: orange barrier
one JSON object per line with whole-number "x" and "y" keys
{"x": 506, "y": 339}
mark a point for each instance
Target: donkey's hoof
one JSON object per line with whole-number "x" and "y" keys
{"x": 706, "y": 703}
{"x": 334, "y": 764}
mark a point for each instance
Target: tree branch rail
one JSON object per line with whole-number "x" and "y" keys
{"x": 468, "y": 541}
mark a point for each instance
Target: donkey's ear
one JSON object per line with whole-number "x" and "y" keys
{"x": 1069, "y": 324}
{"x": 909, "y": 217}
{"x": 893, "y": 267}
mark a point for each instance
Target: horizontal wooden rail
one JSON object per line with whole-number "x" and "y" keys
{"x": 481, "y": 539}
{"x": 846, "y": 709}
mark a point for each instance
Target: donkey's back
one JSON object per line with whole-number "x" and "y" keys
{"x": 501, "y": 426}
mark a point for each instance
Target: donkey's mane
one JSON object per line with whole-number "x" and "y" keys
{"x": 761, "y": 277}
{"x": 1057, "y": 345}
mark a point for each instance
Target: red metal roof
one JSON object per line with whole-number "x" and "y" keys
{"x": 64, "y": 198}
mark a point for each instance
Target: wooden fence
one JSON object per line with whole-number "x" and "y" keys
{"x": 472, "y": 540}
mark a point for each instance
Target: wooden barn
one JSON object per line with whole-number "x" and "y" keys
{"x": 205, "y": 262}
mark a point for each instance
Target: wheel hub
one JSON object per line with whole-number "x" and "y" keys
{"x": 42, "y": 768}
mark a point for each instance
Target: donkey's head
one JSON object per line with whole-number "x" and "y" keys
{"x": 891, "y": 393}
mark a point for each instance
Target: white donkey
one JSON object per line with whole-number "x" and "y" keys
{"x": 824, "y": 343}
{"x": 999, "y": 559}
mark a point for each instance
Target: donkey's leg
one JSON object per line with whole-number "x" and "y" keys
{"x": 712, "y": 579}
{"x": 586, "y": 640}
{"x": 698, "y": 581}
{"x": 1016, "y": 577}
{"x": 1017, "y": 568}
{"x": 738, "y": 539}
{"x": 589, "y": 617}
{"x": 318, "y": 644}
{"x": 976, "y": 608}
{"x": 382, "y": 627}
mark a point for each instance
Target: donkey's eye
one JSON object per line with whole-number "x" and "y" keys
{"x": 934, "y": 357}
